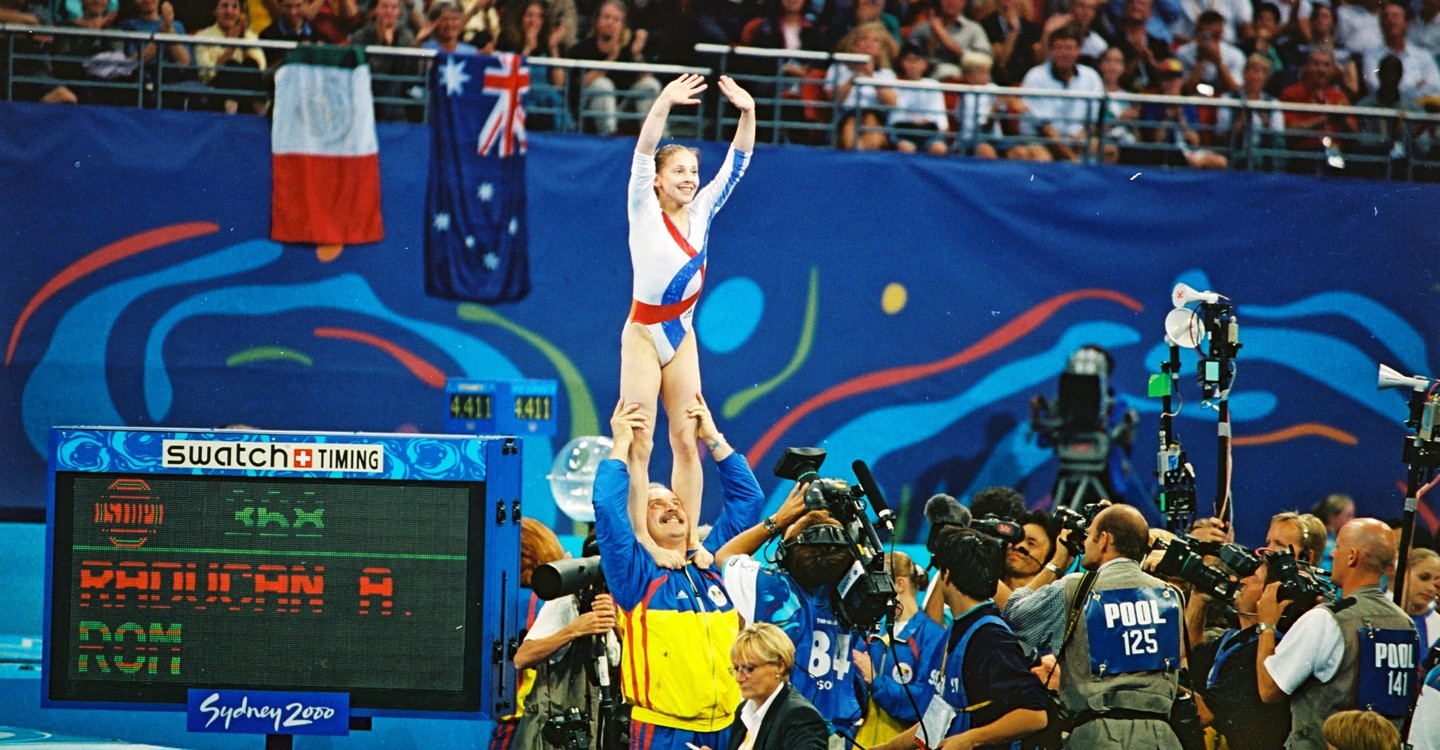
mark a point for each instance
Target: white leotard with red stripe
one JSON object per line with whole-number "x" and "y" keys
{"x": 669, "y": 265}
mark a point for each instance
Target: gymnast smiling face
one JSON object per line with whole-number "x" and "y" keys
{"x": 677, "y": 177}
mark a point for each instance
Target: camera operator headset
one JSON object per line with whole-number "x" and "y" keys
{"x": 1359, "y": 652}
{"x": 1121, "y": 657}
{"x": 563, "y": 707}
{"x": 795, "y": 595}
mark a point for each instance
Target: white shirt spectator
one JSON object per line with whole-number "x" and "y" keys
{"x": 861, "y": 97}
{"x": 1236, "y": 12}
{"x": 1230, "y": 55}
{"x": 1266, "y": 121}
{"x": 975, "y": 109}
{"x": 1357, "y": 28}
{"x": 1094, "y": 45}
{"x": 1421, "y": 77}
{"x": 1425, "y": 731}
{"x": 1069, "y": 116}
{"x": 914, "y": 106}
{"x": 1304, "y": 7}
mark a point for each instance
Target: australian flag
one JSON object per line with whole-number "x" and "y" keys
{"x": 475, "y": 237}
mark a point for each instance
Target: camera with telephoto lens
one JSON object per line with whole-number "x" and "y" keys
{"x": 1007, "y": 530}
{"x": 1077, "y": 522}
{"x": 569, "y": 729}
{"x": 580, "y": 576}
{"x": 1184, "y": 558}
{"x": 866, "y": 594}
{"x": 1300, "y": 583}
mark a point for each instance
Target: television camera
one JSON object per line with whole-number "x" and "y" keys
{"x": 866, "y": 594}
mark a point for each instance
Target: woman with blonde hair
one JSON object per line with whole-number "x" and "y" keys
{"x": 772, "y": 716}
{"x": 863, "y": 110}
{"x": 1422, "y": 588}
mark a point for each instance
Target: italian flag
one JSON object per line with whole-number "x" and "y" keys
{"x": 326, "y": 164}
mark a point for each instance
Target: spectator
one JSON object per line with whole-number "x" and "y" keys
{"x": 1143, "y": 50}
{"x": 1119, "y": 113}
{"x": 863, "y": 109}
{"x": 98, "y": 60}
{"x": 900, "y": 674}
{"x": 1212, "y": 65}
{"x": 1313, "y": 134}
{"x": 1267, "y": 33}
{"x": 722, "y": 20}
{"x": 989, "y": 126}
{"x": 154, "y": 17}
{"x": 773, "y": 716}
{"x": 1012, "y": 40}
{"x": 798, "y": 596}
{"x": 72, "y": 10}
{"x": 48, "y": 90}
{"x": 1382, "y": 137}
{"x": 947, "y": 36}
{"x": 784, "y": 25}
{"x": 1322, "y": 34}
{"x": 988, "y": 696}
{"x": 1318, "y": 664}
{"x": 612, "y": 40}
{"x": 1062, "y": 123}
{"x": 538, "y": 546}
{"x": 1176, "y": 127}
{"x": 1425, "y": 729}
{"x": 1425, "y": 27}
{"x": 335, "y": 20}
{"x": 1421, "y": 78}
{"x": 443, "y": 32}
{"x": 393, "y": 76}
{"x": 526, "y": 30}
{"x": 1229, "y": 691}
{"x": 1357, "y": 24}
{"x": 1082, "y": 18}
{"x": 479, "y": 23}
{"x": 1301, "y": 533}
{"x": 1236, "y": 25}
{"x": 1334, "y": 511}
{"x": 1422, "y": 591}
{"x": 863, "y": 12}
{"x": 1360, "y": 730}
{"x": 919, "y": 121}
{"x": 1125, "y": 704}
{"x": 674, "y": 32}
{"x": 1160, "y": 14}
{"x": 289, "y": 26}
{"x": 228, "y": 68}
{"x": 682, "y": 621}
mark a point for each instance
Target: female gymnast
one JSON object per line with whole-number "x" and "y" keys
{"x": 669, "y": 227}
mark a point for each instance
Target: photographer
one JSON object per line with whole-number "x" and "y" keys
{"x": 796, "y": 596}
{"x": 1321, "y": 665}
{"x": 988, "y": 696}
{"x": 1026, "y": 558}
{"x": 562, "y": 680}
{"x": 1121, "y": 657}
{"x": 679, "y": 624}
{"x": 1230, "y": 691}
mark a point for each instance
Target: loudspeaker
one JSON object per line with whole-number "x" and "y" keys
{"x": 1184, "y": 294}
{"x": 1392, "y": 379}
{"x": 1183, "y": 327}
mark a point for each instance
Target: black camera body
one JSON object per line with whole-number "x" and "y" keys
{"x": 569, "y": 729}
{"x": 866, "y": 594}
{"x": 1184, "y": 558}
{"x": 1078, "y": 524}
{"x": 1298, "y": 582}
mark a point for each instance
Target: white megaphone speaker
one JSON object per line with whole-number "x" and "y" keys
{"x": 1389, "y": 378}
{"x": 1184, "y": 328}
{"x": 1184, "y": 294}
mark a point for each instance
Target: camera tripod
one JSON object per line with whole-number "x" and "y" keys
{"x": 1083, "y": 458}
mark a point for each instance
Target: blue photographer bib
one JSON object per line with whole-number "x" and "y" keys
{"x": 1387, "y": 670}
{"x": 1133, "y": 630}
{"x": 822, "y": 672}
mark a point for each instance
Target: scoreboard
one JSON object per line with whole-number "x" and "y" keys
{"x": 381, "y": 566}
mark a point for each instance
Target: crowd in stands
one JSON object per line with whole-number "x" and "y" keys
{"x": 1379, "y": 53}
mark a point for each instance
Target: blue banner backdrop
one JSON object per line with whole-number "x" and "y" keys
{"x": 898, "y": 309}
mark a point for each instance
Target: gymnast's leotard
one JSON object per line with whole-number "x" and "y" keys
{"x": 669, "y": 266}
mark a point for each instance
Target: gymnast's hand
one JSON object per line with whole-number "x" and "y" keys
{"x": 737, "y": 96}
{"x": 683, "y": 90}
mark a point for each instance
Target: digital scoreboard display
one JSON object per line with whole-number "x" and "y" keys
{"x": 370, "y": 565}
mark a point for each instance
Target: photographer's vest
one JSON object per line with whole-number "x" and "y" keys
{"x": 1086, "y": 690}
{"x": 1315, "y": 701}
{"x": 560, "y": 685}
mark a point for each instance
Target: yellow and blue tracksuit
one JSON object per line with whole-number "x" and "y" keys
{"x": 677, "y": 626}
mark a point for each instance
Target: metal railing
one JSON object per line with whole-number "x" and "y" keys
{"x": 791, "y": 89}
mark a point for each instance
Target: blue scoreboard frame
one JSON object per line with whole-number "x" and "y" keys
{"x": 380, "y": 566}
